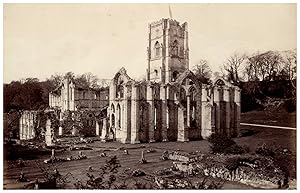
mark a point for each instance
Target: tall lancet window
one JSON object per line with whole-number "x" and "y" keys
{"x": 157, "y": 49}
{"x": 175, "y": 48}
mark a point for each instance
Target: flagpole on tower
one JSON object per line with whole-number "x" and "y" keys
{"x": 170, "y": 12}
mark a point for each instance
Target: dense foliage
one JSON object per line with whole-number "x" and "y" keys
{"x": 33, "y": 94}
{"x": 224, "y": 144}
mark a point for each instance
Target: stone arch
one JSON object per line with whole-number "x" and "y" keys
{"x": 189, "y": 75}
{"x": 221, "y": 82}
{"x": 112, "y": 108}
{"x": 121, "y": 75}
{"x": 189, "y": 110}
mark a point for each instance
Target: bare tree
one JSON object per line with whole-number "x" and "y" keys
{"x": 56, "y": 79}
{"x": 233, "y": 67}
{"x": 289, "y": 69}
{"x": 87, "y": 80}
{"x": 289, "y": 62}
{"x": 104, "y": 82}
{"x": 69, "y": 75}
{"x": 265, "y": 66}
{"x": 202, "y": 71}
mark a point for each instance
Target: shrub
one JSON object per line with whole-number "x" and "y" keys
{"x": 265, "y": 150}
{"x": 224, "y": 144}
{"x": 219, "y": 143}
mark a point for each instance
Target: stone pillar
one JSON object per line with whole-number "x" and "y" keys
{"x": 48, "y": 134}
{"x": 217, "y": 109}
{"x": 164, "y": 113}
{"x": 31, "y": 129}
{"x": 126, "y": 121}
{"x": 232, "y": 110}
{"x": 150, "y": 100}
{"x": 227, "y": 110}
{"x": 104, "y": 132}
{"x": 188, "y": 110}
{"x": 110, "y": 115}
{"x": 60, "y": 129}
{"x": 186, "y": 44}
{"x": 206, "y": 114}
{"x": 182, "y": 130}
{"x": 97, "y": 128}
{"x": 21, "y": 127}
{"x": 134, "y": 115}
{"x": 50, "y": 99}
{"x": 74, "y": 131}
{"x": 112, "y": 90}
{"x": 237, "y": 100}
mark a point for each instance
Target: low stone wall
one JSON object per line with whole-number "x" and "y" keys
{"x": 262, "y": 174}
{"x": 185, "y": 157}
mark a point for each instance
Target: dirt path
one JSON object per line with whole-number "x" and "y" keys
{"x": 269, "y": 126}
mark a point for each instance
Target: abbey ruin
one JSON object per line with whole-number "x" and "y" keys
{"x": 171, "y": 104}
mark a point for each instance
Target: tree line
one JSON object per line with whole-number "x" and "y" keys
{"x": 33, "y": 94}
{"x": 261, "y": 76}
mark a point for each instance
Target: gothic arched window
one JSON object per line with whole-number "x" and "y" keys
{"x": 157, "y": 49}
{"x": 174, "y": 76}
{"x": 175, "y": 48}
{"x": 120, "y": 89}
{"x": 156, "y": 72}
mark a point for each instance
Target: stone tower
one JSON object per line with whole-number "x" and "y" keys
{"x": 168, "y": 51}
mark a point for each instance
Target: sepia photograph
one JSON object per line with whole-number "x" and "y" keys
{"x": 149, "y": 96}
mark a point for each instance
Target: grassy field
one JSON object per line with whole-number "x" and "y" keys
{"x": 252, "y": 137}
{"x": 78, "y": 169}
{"x": 278, "y": 137}
{"x": 277, "y": 118}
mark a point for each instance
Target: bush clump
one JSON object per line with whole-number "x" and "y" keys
{"x": 265, "y": 150}
{"x": 224, "y": 144}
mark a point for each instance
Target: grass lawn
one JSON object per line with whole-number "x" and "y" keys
{"x": 279, "y": 118}
{"x": 254, "y": 137}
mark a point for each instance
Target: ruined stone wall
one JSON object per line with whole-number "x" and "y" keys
{"x": 26, "y": 125}
{"x": 154, "y": 112}
{"x": 226, "y": 108}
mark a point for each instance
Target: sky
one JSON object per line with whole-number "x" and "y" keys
{"x": 44, "y": 39}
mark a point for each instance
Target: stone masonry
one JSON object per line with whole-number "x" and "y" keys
{"x": 171, "y": 104}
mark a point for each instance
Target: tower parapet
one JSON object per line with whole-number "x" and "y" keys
{"x": 167, "y": 50}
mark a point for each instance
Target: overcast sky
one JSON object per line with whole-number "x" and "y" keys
{"x": 44, "y": 39}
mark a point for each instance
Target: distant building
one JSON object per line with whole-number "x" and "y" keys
{"x": 69, "y": 96}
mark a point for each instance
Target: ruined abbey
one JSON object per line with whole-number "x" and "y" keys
{"x": 171, "y": 104}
